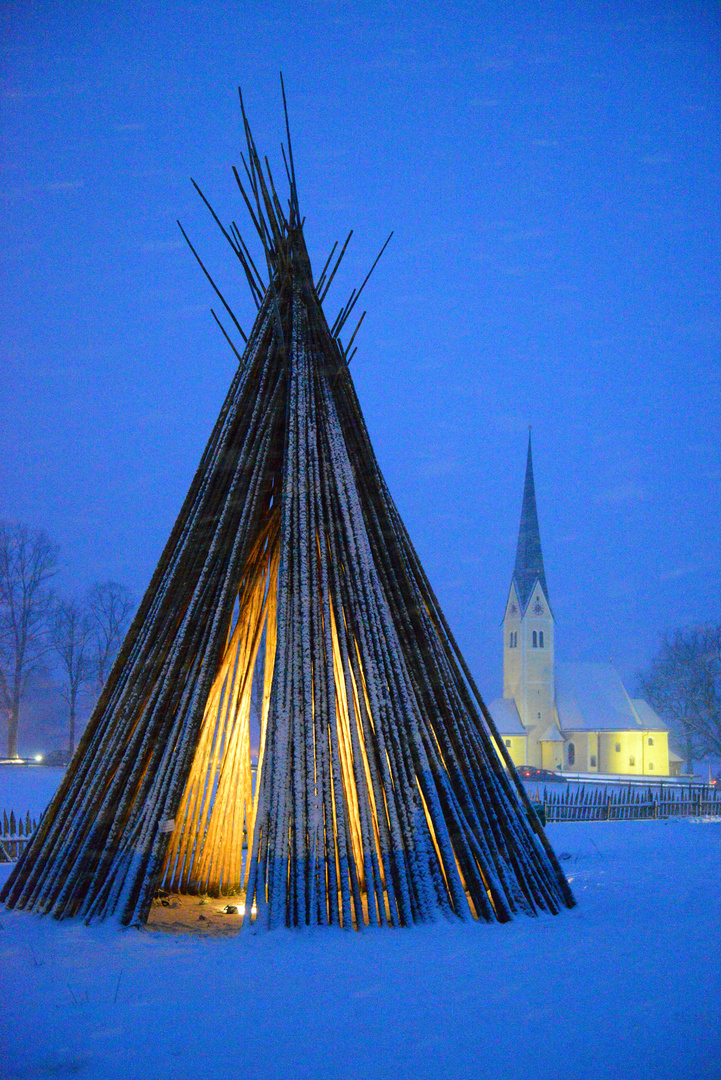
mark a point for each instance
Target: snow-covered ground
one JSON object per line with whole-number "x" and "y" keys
{"x": 627, "y": 986}
{"x": 26, "y": 788}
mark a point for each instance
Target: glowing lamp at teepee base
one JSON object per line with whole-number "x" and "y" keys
{"x": 290, "y": 596}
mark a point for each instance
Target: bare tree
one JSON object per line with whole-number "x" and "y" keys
{"x": 28, "y": 559}
{"x": 71, "y": 632}
{"x": 683, "y": 684}
{"x": 111, "y": 606}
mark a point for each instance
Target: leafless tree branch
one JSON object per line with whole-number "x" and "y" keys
{"x": 683, "y": 684}
{"x": 71, "y": 633}
{"x": 111, "y": 606}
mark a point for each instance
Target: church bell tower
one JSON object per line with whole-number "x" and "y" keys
{"x": 528, "y": 629}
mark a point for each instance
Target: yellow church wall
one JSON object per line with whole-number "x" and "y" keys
{"x": 552, "y": 755}
{"x": 634, "y": 753}
{"x": 516, "y": 747}
{"x": 528, "y": 664}
{"x": 512, "y": 653}
{"x": 656, "y": 753}
{"x": 584, "y": 745}
{"x": 535, "y": 694}
{"x": 620, "y": 752}
{"x": 649, "y": 749}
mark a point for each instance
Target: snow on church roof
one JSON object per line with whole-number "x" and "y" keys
{"x": 650, "y": 720}
{"x": 591, "y": 697}
{"x": 552, "y": 734}
{"x": 505, "y": 717}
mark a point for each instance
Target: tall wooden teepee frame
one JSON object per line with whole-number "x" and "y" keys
{"x": 289, "y": 591}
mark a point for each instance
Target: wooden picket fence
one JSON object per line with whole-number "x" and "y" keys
{"x": 598, "y": 803}
{"x": 15, "y": 833}
{"x": 583, "y": 803}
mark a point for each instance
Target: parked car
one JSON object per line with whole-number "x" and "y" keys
{"x": 528, "y": 772}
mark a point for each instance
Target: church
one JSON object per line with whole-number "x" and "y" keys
{"x": 570, "y": 718}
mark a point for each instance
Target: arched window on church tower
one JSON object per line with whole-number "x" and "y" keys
{"x": 571, "y": 754}
{"x": 535, "y": 640}
{"x": 540, "y": 639}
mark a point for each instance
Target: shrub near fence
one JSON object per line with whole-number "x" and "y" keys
{"x": 596, "y": 803}
{"x": 15, "y": 833}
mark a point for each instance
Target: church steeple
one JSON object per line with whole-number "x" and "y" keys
{"x": 528, "y": 633}
{"x": 529, "y": 557}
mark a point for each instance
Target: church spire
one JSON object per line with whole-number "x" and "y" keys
{"x": 529, "y": 558}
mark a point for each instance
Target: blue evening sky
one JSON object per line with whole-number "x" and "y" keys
{"x": 552, "y": 177}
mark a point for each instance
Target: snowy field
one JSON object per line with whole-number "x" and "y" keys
{"x": 627, "y": 986}
{"x": 28, "y": 787}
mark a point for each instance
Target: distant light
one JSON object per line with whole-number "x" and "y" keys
{"x": 38, "y": 757}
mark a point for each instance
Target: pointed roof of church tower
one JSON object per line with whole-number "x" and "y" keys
{"x": 529, "y": 557}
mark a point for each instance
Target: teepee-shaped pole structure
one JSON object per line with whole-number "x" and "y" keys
{"x": 290, "y": 598}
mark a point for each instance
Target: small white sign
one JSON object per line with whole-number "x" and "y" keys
{"x": 168, "y": 825}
